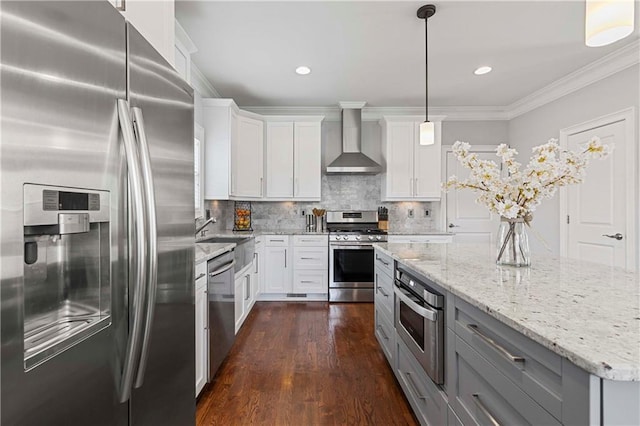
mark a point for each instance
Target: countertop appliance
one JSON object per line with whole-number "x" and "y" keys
{"x": 221, "y": 305}
{"x": 97, "y": 262}
{"x": 419, "y": 321}
{"x": 351, "y": 270}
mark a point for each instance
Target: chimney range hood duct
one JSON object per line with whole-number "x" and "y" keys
{"x": 352, "y": 160}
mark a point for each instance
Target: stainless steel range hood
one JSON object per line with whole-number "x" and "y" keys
{"x": 352, "y": 160}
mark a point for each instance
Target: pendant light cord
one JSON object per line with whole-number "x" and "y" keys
{"x": 426, "y": 69}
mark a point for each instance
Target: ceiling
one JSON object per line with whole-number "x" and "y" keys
{"x": 374, "y": 51}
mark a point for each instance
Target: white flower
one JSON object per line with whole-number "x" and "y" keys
{"x": 521, "y": 191}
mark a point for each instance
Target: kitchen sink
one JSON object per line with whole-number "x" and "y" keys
{"x": 243, "y": 253}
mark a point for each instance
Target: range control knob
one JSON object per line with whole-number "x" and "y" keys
{"x": 378, "y": 237}
{"x": 358, "y": 237}
{"x": 370, "y": 237}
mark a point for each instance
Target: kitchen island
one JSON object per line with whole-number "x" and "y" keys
{"x": 586, "y": 315}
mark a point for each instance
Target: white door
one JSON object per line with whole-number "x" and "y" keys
{"x": 248, "y": 161}
{"x": 277, "y": 266}
{"x": 400, "y": 139}
{"x": 280, "y": 159}
{"x": 308, "y": 152}
{"x": 597, "y": 228}
{"x": 471, "y": 222}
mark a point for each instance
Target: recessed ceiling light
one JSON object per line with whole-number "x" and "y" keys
{"x": 303, "y": 70}
{"x": 482, "y": 70}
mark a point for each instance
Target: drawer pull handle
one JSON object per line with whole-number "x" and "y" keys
{"x": 384, "y": 293}
{"x": 384, "y": 335}
{"x": 380, "y": 259}
{"x": 513, "y": 358}
{"x": 200, "y": 276}
{"x": 487, "y": 413}
{"x": 307, "y": 281}
{"x": 414, "y": 387}
{"x": 307, "y": 258}
{"x": 276, "y": 241}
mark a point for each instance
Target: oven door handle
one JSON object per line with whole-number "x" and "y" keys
{"x": 427, "y": 313}
{"x": 350, "y": 246}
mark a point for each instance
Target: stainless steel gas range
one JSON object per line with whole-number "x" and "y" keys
{"x": 351, "y": 238}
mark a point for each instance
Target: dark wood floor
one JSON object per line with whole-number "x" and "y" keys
{"x": 309, "y": 363}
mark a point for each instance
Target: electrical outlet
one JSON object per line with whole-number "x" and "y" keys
{"x": 410, "y": 212}
{"x": 427, "y": 213}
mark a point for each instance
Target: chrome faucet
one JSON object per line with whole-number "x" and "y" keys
{"x": 204, "y": 225}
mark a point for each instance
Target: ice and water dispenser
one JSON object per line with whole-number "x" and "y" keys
{"x": 67, "y": 268}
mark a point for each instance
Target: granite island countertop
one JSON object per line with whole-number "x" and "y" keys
{"x": 585, "y": 312}
{"x": 206, "y": 251}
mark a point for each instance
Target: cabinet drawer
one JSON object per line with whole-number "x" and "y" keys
{"x": 277, "y": 240}
{"x": 201, "y": 271}
{"x": 483, "y": 395}
{"x": 310, "y": 281}
{"x": 537, "y": 371}
{"x": 383, "y": 291}
{"x": 429, "y": 403}
{"x": 386, "y": 335}
{"x": 311, "y": 240}
{"x": 384, "y": 262}
{"x": 310, "y": 258}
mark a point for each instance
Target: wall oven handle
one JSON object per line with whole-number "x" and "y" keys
{"x": 152, "y": 241}
{"x": 487, "y": 413}
{"x": 138, "y": 232}
{"x": 513, "y": 358}
{"x": 427, "y": 313}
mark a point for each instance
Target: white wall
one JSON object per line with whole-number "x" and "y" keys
{"x": 617, "y": 92}
{"x": 475, "y": 132}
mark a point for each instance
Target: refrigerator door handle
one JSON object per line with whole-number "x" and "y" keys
{"x": 139, "y": 230}
{"x": 152, "y": 240}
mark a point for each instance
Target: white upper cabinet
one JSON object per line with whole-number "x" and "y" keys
{"x": 307, "y": 160}
{"x": 155, "y": 21}
{"x": 412, "y": 170}
{"x": 293, "y": 154}
{"x": 247, "y": 159}
{"x": 280, "y": 159}
{"x": 220, "y": 126}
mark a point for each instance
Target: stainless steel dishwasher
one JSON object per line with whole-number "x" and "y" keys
{"x": 220, "y": 289}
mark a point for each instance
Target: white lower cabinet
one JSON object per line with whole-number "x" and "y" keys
{"x": 277, "y": 277}
{"x": 244, "y": 295}
{"x": 295, "y": 267}
{"x": 201, "y": 331}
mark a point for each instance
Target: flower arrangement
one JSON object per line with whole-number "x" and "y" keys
{"x": 519, "y": 192}
{"x": 515, "y": 195}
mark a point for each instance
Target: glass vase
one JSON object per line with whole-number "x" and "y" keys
{"x": 513, "y": 243}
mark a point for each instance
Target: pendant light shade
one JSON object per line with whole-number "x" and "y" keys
{"x": 427, "y": 129}
{"x": 608, "y": 21}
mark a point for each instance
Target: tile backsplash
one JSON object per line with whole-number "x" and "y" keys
{"x": 339, "y": 192}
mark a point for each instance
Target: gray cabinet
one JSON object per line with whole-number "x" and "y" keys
{"x": 429, "y": 403}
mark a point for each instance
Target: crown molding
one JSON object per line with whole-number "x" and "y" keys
{"x": 183, "y": 39}
{"x": 201, "y": 84}
{"x": 604, "y": 67}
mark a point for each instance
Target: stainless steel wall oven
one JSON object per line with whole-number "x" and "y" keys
{"x": 419, "y": 321}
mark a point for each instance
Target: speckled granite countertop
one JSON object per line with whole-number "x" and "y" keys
{"x": 587, "y": 313}
{"x": 206, "y": 251}
{"x": 403, "y": 232}
{"x": 261, "y": 232}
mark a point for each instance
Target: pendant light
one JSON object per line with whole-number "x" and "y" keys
{"x": 608, "y": 21}
{"x": 427, "y": 129}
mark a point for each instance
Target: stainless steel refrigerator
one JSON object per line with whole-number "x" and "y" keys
{"x": 96, "y": 222}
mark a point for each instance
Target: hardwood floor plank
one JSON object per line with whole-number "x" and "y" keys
{"x": 310, "y": 363}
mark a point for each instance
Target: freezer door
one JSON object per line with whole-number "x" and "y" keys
{"x": 166, "y": 102}
{"x": 63, "y": 69}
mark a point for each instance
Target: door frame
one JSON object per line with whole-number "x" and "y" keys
{"x": 627, "y": 115}
{"x": 446, "y": 149}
